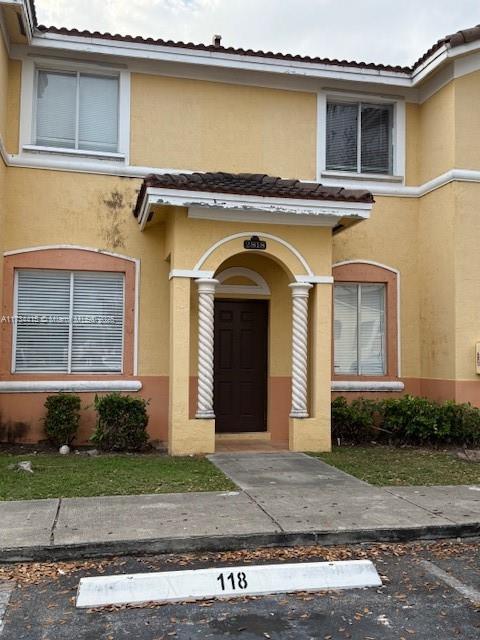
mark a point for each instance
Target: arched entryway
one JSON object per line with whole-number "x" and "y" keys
{"x": 252, "y": 349}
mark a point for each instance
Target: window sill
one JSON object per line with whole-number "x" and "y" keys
{"x": 76, "y": 386}
{"x": 367, "y": 385}
{"x": 375, "y": 177}
{"x": 74, "y": 153}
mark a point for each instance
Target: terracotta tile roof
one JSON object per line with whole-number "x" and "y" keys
{"x": 452, "y": 40}
{"x": 464, "y": 36}
{"x": 250, "y": 184}
{"x": 239, "y": 51}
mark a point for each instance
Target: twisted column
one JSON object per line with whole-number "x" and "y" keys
{"x": 299, "y": 348}
{"x": 206, "y": 295}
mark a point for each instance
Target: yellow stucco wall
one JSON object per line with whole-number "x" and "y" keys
{"x": 209, "y": 126}
{"x": 3, "y": 88}
{"x": 13, "y": 106}
{"x": 467, "y": 121}
{"x": 467, "y": 278}
{"x": 436, "y": 134}
{"x": 412, "y": 123}
{"x": 436, "y": 283}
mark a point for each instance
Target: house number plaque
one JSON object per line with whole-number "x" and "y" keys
{"x": 255, "y": 243}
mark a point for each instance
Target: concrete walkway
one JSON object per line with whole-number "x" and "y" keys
{"x": 283, "y": 499}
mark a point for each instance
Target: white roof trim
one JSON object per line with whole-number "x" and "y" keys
{"x": 248, "y": 204}
{"x": 222, "y": 59}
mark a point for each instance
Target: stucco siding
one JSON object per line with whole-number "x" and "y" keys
{"x": 208, "y": 126}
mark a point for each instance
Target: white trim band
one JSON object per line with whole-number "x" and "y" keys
{"x": 329, "y": 210}
{"x": 367, "y": 385}
{"x": 77, "y": 386}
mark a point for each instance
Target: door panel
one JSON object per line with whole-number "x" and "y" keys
{"x": 240, "y": 355}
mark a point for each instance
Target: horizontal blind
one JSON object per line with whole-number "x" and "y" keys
{"x": 345, "y": 328}
{"x": 342, "y": 136}
{"x": 56, "y": 109}
{"x": 43, "y": 315}
{"x": 97, "y": 334}
{"x": 371, "y": 334}
{"x": 376, "y": 138}
{"x": 98, "y": 113}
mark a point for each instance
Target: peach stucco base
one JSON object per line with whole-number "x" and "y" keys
{"x": 439, "y": 390}
{"x": 21, "y": 414}
{"x": 21, "y": 418}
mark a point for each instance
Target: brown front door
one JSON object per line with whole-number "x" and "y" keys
{"x": 240, "y": 390}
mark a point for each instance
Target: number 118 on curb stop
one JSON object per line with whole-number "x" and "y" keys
{"x": 233, "y": 581}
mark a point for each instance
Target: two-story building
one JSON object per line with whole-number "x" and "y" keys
{"x": 232, "y": 234}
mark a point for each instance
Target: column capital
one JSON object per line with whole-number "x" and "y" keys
{"x": 206, "y": 285}
{"x": 300, "y": 289}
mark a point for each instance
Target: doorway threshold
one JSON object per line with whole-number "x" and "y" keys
{"x": 248, "y": 445}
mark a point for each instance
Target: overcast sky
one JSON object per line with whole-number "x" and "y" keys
{"x": 390, "y": 31}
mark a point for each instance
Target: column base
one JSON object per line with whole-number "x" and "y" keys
{"x": 298, "y": 414}
{"x": 311, "y": 434}
{"x": 205, "y": 415}
{"x": 191, "y": 437}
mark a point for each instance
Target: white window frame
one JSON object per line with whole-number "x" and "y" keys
{"x": 28, "y": 104}
{"x": 359, "y": 372}
{"x": 398, "y": 136}
{"x": 70, "y": 324}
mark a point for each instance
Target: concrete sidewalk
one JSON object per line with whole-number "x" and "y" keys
{"x": 283, "y": 499}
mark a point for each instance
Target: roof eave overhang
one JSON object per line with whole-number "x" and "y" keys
{"x": 330, "y": 212}
{"x": 160, "y": 53}
{"x": 23, "y": 9}
{"x": 153, "y": 52}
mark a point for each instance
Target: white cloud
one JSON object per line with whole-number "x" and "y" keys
{"x": 386, "y": 31}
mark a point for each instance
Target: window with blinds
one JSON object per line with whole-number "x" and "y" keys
{"x": 68, "y": 321}
{"x": 359, "y": 137}
{"x": 359, "y": 329}
{"x": 77, "y": 111}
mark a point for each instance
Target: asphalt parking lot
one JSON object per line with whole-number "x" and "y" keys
{"x": 430, "y": 591}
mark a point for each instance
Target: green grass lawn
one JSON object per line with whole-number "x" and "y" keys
{"x": 381, "y": 465}
{"x": 57, "y": 476}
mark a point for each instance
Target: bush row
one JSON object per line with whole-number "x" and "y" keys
{"x": 121, "y": 421}
{"x": 405, "y": 420}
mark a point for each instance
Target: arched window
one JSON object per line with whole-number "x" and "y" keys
{"x": 365, "y": 321}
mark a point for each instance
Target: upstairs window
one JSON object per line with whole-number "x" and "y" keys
{"x": 77, "y": 110}
{"x": 359, "y": 329}
{"x": 359, "y": 137}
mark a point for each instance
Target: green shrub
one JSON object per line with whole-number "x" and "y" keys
{"x": 405, "y": 420}
{"x": 62, "y": 419}
{"x": 412, "y": 420}
{"x": 121, "y": 423}
{"x": 460, "y": 423}
{"x": 353, "y": 422}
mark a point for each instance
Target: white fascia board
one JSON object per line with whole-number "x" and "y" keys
{"x": 251, "y": 204}
{"x": 152, "y": 52}
{"x": 144, "y": 51}
{"x": 262, "y": 217}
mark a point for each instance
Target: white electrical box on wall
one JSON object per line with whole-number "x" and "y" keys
{"x": 477, "y": 358}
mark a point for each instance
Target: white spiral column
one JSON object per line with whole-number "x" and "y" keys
{"x": 299, "y": 348}
{"x": 206, "y": 296}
